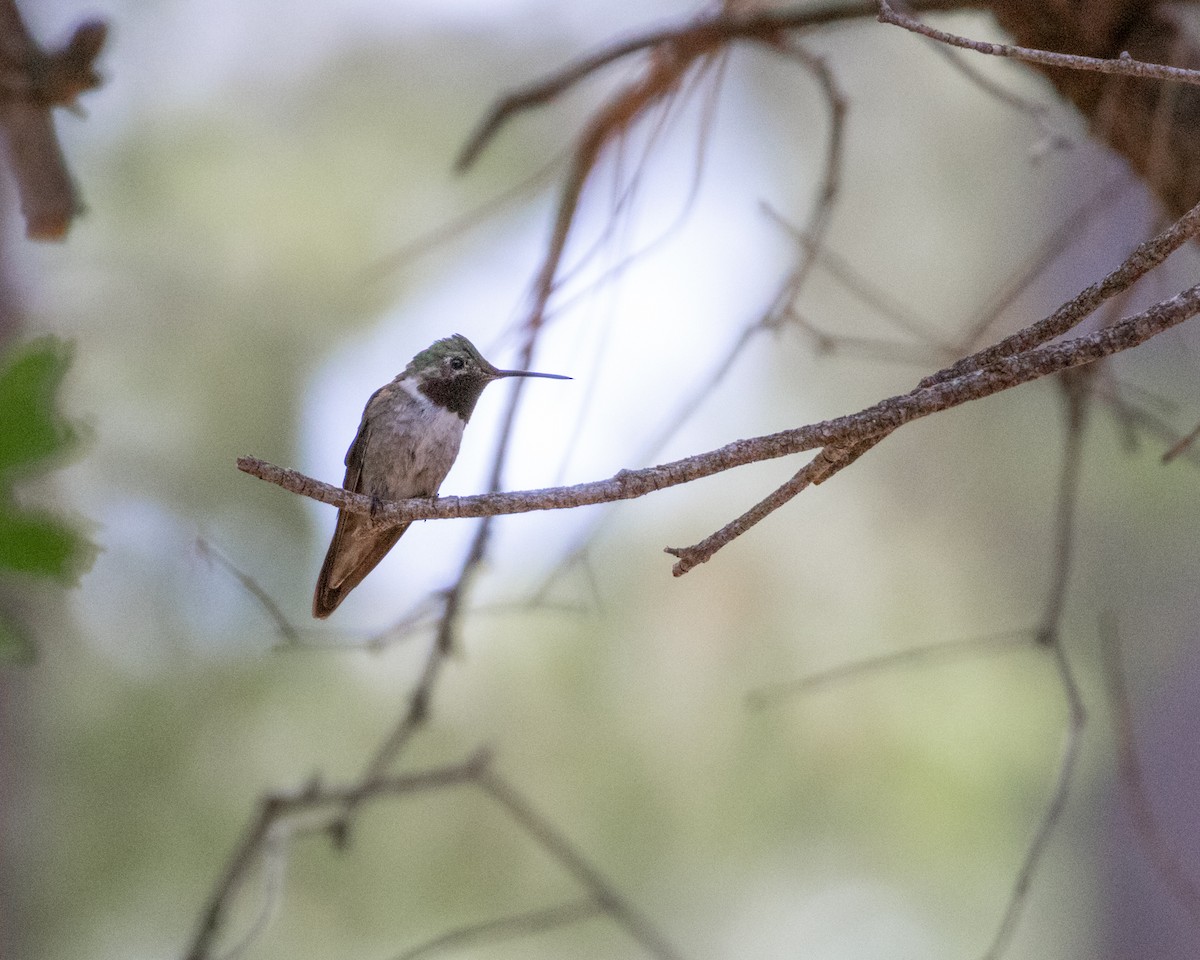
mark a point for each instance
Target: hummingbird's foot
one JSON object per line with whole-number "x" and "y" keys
{"x": 376, "y": 509}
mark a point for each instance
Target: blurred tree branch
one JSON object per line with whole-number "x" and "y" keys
{"x": 34, "y": 81}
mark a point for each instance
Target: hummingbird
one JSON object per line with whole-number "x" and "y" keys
{"x": 406, "y": 443}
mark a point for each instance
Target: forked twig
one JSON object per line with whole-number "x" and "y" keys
{"x": 276, "y": 810}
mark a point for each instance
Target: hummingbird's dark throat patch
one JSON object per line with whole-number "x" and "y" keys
{"x": 457, "y": 394}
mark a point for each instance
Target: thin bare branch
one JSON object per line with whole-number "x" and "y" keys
{"x": 863, "y": 289}
{"x": 407, "y": 254}
{"x": 773, "y": 693}
{"x": 1052, "y": 138}
{"x": 821, "y": 217}
{"x": 1047, "y": 253}
{"x": 1076, "y": 721}
{"x": 274, "y": 809}
{"x": 506, "y": 928}
{"x": 1124, "y": 65}
{"x": 601, "y": 891}
{"x": 287, "y": 630}
{"x": 413, "y": 717}
{"x": 1145, "y": 257}
{"x": 1077, "y": 388}
{"x": 893, "y": 352}
{"x": 821, "y": 466}
{"x": 1182, "y": 446}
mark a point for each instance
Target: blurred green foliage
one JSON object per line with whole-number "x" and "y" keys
{"x": 34, "y": 439}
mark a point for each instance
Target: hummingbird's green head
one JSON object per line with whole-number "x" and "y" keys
{"x": 452, "y": 373}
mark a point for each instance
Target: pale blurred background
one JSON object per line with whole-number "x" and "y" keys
{"x": 248, "y": 168}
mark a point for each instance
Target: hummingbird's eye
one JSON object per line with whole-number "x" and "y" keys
{"x": 457, "y": 363}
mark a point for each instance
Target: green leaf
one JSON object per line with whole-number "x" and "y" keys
{"x": 41, "y": 544}
{"x": 33, "y": 435}
{"x": 31, "y": 429}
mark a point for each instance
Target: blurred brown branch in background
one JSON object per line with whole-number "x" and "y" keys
{"x": 34, "y": 81}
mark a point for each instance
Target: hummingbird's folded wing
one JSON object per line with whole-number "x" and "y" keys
{"x": 358, "y": 544}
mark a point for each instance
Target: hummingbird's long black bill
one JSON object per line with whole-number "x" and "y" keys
{"x": 530, "y": 373}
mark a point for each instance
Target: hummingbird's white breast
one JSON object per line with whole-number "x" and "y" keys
{"x": 413, "y": 444}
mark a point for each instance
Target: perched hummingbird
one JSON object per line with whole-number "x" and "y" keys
{"x": 406, "y": 444}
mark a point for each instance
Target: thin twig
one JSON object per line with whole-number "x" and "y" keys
{"x": 1182, "y": 446}
{"x": 506, "y": 928}
{"x": 411, "y": 720}
{"x": 276, "y": 808}
{"x": 408, "y": 253}
{"x": 601, "y": 891}
{"x": 1052, "y": 137}
{"x": 821, "y": 217}
{"x": 1124, "y": 65}
{"x": 863, "y": 289}
{"x": 892, "y": 352}
{"x": 1076, "y": 721}
{"x": 1145, "y": 257}
{"x": 773, "y": 693}
{"x": 822, "y": 466}
{"x": 1076, "y": 387}
{"x": 1047, "y": 253}
{"x": 289, "y": 633}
